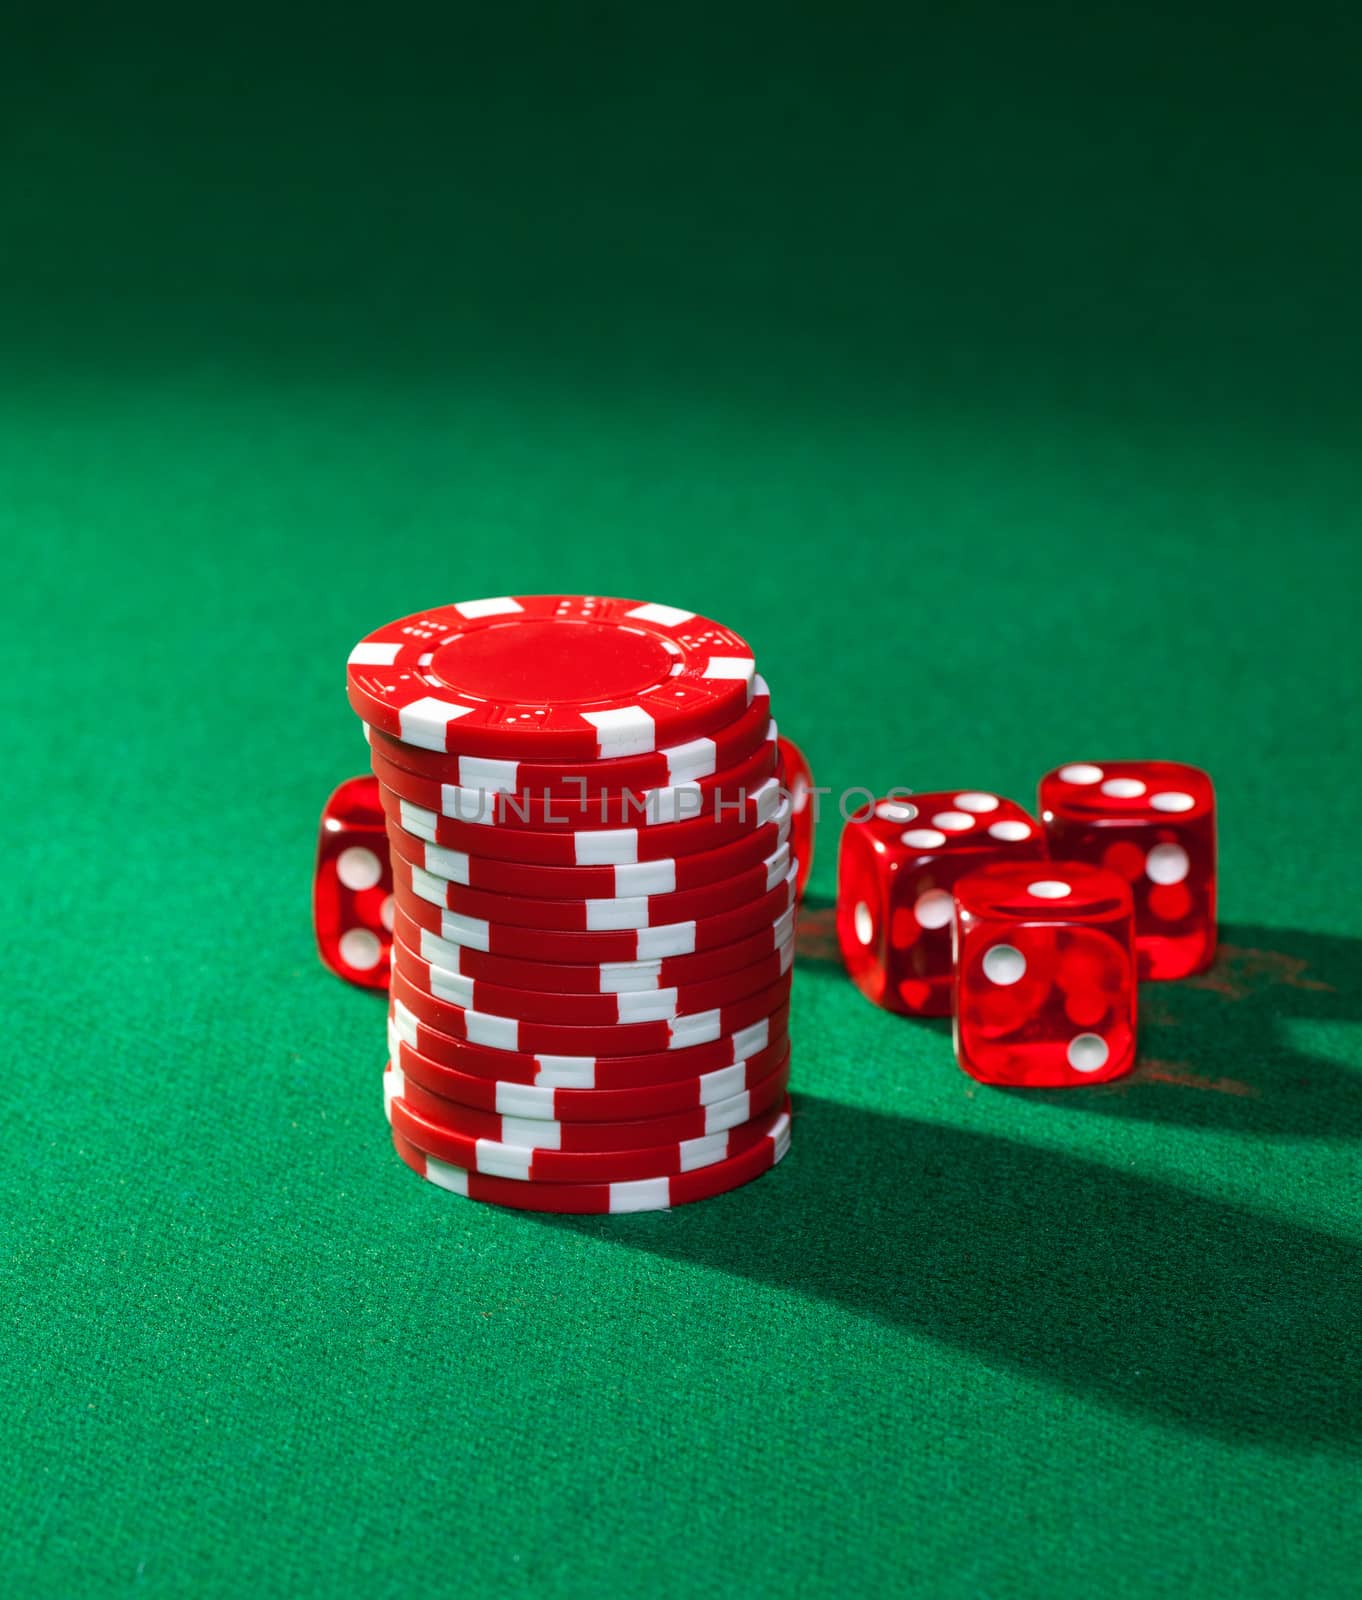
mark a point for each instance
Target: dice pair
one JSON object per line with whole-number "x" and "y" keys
{"x": 960, "y": 902}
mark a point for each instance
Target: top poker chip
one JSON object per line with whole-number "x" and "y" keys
{"x": 550, "y": 677}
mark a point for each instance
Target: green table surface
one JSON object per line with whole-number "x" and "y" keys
{"x": 995, "y": 371}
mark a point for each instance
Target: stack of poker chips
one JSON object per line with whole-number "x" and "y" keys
{"x": 594, "y": 901}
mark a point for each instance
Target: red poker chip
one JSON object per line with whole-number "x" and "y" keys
{"x": 588, "y": 1072}
{"x": 684, "y": 763}
{"x": 550, "y": 677}
{"x": 733, "y": 788}
{"x": 588, "y": 1199}
{"x": 588, "y": 1010}
{"x": 588, "y": 847}
{"x": 635, "y": 879}
{"x": 521, "y": 1164}
{"x": 610, "y": 944}
{"x": 591, "y": 916}
{"x": 641, "y": 1133}
{"x": 594, "y": 978}
{"x": 547, "y": 1103}
{"x": 520, "y": 1037}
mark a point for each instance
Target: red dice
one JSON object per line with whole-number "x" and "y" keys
{"x": 1152, "y": 823}
{"x": 1045, "y": 983}
{"x": 796, "y": 778}
{"x": 352, "y": 888}
{"x": 899, "y": 861}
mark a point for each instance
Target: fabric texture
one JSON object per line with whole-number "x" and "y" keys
{"x": 994, "y": 372}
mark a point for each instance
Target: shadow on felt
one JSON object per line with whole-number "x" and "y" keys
{"x": 1151, "y": 1298}
{"x": 1198, "y": 1312}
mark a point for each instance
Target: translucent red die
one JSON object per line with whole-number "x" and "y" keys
{"x": 796, "y": 778}
{"x": 1153, "y": 823}
{"x": 352, "y": 887}
{"x": 1045, "y": 984}
{"x": 899, "y": 861}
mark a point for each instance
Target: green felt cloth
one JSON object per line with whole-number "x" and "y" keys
{"x": 995, "y": 371}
